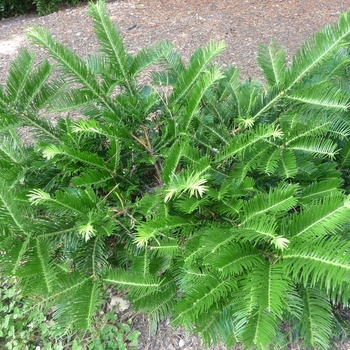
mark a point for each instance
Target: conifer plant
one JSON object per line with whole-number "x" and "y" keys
{"x": 220, "y": 203}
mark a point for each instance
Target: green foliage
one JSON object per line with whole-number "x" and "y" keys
{"x": 221, "y": 203}
{"x": 112, "y": 335}
{"x": 24, "y": 328}
{"x": 11, "y": 8}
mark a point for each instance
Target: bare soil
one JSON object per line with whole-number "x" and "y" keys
{"x": 242, "y": 24}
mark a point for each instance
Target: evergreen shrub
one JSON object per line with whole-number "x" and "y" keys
{"x": 12, "y": 8}
{"x": 220, "y": 203}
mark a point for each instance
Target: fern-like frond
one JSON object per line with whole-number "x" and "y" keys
{"x": 83, "y": 305}
{"x": 74, "y": 155}
{"x": 267, "y": 288}
{"x": 269, "y": 162}
{"x": 344, "y": 155}
{"x": 320, "y": 148}
{"x": 245, "y": 141}
{"x": 34, "y": 85}
{"x": 214, "y": 238}
{"x": 235, "y": 259}
{"x": 92, "y": 256}
{"x": 288, "y": 165}
{"x": 201, "y": 299}
{"x": 326, "y": 216}
{"x": 282, "y": 198}
{"x": 319, "y": 262}
{"x": 164, "y": 247}
{"x": 262, "y": 229}
{"x": 320, "y": 189}
{"x": 260, "y": 331}
{"x": 38, "y": 270}
{"x": 207, "y": 79}
{"x": 320, "y": 98}
{"x": 147, "y": 56}
{"x": 173, "y": 63}
{"x": 230, "y": 82}
{"x": 188, "y": 205}
{"x": 318, "y": 49}
{"x": 18, "y": 75}
{"x": 75, "y": 69}
{"x": 11, "y": 212}
{"x": 111, "y": 42}
{"x": 137, "y": 284}
{"x": 15, "y": 254}
{"x": 309, "y": 128}
{"x": 272, "y": 60}
{"x": 316, "y": 322}
{"x": 185, "y": 182}
{"x": 172, "y": 159}
{"x": 69, "y": 200}
{"x": 149, "y": 230}
{"x": 72, "y": 99}
{"x": 75, "y": 300}
{"x": 92, "y": 177}
{"x": 158, "y": 305}
{"x": 197, "y": 65}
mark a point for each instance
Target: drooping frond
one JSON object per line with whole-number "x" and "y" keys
{"x": 269, "y": 162}
{"x": 344, "y": 155}
{"x": 174, "y": 68}
{"x": 72, "y": 99}
{"x": 76, "y": 301}
{"x": 158, "y": 304}
{"x": 37, "y": 270}
{"x": 218, "y": 326}
{"x": 316, "y": 318}
{"x": 11, "y": 212}
{"x": 92, "y": 256}
{"x": 260, "y": 330}
{"x": 268, "y": 288}
{"x": 13, "y": 258}
{"x": 84, "y": 304}
{"x": 33, "y": 89}
{"x": 230, "y": 83}
{"x": 173, "y": 156}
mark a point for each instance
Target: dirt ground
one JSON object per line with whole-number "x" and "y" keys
{"x": 242, "y": 24}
